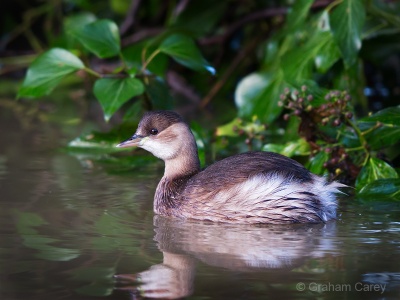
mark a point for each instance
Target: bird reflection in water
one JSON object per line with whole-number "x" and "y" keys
{"x": 235, "y": 247}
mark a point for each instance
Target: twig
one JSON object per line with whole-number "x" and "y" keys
{"x": 259, "y": 15}
{"x": 141, "y": 35}
{"x": 130, "y": 17}
{"x": 219, "y": 84}
{"x": 92, "y": 72}
{"x": 270, "y": 12}
{"x": 180, "y": 7}
{"x": 180, "y": 85}
{"x": 145, "y": 62}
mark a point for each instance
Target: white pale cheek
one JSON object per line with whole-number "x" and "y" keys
{"x": 157, "y": 149}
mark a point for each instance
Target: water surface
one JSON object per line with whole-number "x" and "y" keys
{"x": 69, "y": 224}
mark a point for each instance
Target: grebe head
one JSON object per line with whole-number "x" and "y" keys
{"x": 168, "y": 137}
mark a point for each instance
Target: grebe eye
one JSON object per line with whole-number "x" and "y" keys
{"x": 153, "y": 131}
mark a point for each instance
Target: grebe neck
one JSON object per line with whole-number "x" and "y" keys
{"x": 182, "y": 166}
{"x": 178, "y": 170}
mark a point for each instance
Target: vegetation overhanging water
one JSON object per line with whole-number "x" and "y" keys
{"x": 313, "y": 80}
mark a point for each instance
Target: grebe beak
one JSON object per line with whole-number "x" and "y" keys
{"x": 131, "y": 142}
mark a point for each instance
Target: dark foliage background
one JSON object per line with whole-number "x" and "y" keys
{"x": 315, "y": 80}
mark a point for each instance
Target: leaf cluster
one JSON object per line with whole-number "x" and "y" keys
{"x": 324, "y": 46}
{"x": 101, "y": 38}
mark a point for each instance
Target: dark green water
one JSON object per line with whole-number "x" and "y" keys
{"x": 68, "y": 224}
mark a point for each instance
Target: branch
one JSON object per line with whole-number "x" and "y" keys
{"x": 259, "y": 15}
{"x": 180, "y": 7}
{"x": 130, "y": 17}
{"x": 236, "y": 62}
{"x": 141, "y": 35}
{"x": 179, "y": 84}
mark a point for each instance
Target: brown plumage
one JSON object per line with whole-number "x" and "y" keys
{"x": 252, "y": 187}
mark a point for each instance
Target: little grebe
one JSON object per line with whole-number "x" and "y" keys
{"x": 252, "y": 187}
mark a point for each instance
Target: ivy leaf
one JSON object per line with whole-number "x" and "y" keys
{"x": 290, "y": 149}
{"x": 298, "y": 13}
{"x": 46, "y": 72}
{"x": 373, "y": 170}
{"x": 132, "y": 55}
{"x": 257, "y": 95}
{"x": 389, "y": 187}
{"x": 112, "y": 93}
{"x": 100, "y": 37}
{"x": 386, "y": 135}
{"x": 388, "y": 116}
{"x": 247, "y": 90}
{"x": 229, "y": 128}
{"x": 320, "y": 50}
{"x": 316, "y": 163}
{"x": 346, "y": 22}
{"x": 184, "y": 51}
{"x": 74, "y": 23}
{"x": 327, "y": 55}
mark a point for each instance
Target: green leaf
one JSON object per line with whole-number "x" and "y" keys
{"x": 100, "y": 37}
{"x": 373, "y": 170}
{"x": 383, "y": 137}
{"x": 248, "y": 89}
{"x": 386, "y": 135}
{"x": 112, "y": 93}
{"x": 388, "y": 116}
{"x": 229, "y": 128}
{"x": 46, "y": 72}
{"x": 316, "y": 163}
{"x": 346, "y": 22}
{"x": 271, "y": 58}
{"x": 258, "y": 94}
{"x": 348, "y": 138}
{"x": 389, "y": 187}
{"x": 319, "y": 50}
{"x": 327, "y": 55}
{"x": 290, "y": 149}
{"x": 297, "y": 14}
{"x": 74, "y": 23}
{"x": 184, "y": 51}
{"x": 88, "y": 146}
{"x": 99, "y": 143}
{"x": 132, "y": 56}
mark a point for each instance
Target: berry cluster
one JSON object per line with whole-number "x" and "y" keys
{"x": 335, "y": 111}
{"x": 253, "y": 131}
